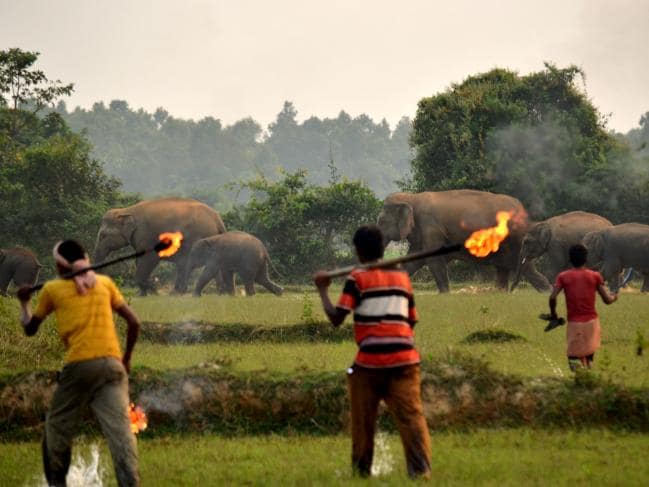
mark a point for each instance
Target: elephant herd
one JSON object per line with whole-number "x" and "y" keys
{"x": 205, "y": 244}
{"x": 425, "y": 220}
{"x": 432, "y": 219}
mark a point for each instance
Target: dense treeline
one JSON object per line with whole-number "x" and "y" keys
{"x": 308, "y": 185}
{"x": 537, "y": 137}
{"x": 157, "y": 154}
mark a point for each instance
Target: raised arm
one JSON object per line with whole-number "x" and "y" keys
{"x": 607, "y": 296}
{"x": 132, "y": 333}
{"x": 553, "y": 301}
{"x": 336, "y": 315}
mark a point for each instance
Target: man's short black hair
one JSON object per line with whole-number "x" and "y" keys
{"x": 368, "y": 241}
{"x": 578, "y": 254}
{"x": 71, "y": 250}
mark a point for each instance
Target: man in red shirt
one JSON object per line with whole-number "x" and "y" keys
{"x": 387, "y": 363}
{"x": 580, "y": 285}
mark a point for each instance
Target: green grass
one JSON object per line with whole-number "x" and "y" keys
{"x": 445, "y": 322}
{"x": 482, "y": 457}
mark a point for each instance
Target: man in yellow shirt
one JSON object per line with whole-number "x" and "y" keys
{"x": 95, "y": 371}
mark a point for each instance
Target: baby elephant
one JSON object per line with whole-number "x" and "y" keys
{"x": 227, "y": 253}
{"x": 19, "y": 265}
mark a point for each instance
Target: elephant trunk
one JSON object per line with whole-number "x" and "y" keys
{"x": 519, "y": 271}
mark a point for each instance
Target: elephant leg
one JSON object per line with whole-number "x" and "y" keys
{"x": 645, "y": 283}
{"x": 209, "y": 273}
{"x": 263, "y": 279}
{"x": 180, "y": 283}
{"x": 26, "y": 276}
{"x": 4, "y": 283}
{"x": 250, "y": 287}
{"x": 439, "y": 268}
{"x": 228, "y": 282}
{"x": 502, "y": 278}
{"x": 143, "y": 268}
{"x": 535, "y": 278}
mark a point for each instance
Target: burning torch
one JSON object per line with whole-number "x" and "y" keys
{"x": 480, "y": 243}
{"x": 168, "y": 244}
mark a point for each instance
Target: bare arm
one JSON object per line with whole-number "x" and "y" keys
{"x": 607, "y": 297}
{"x": 132, "y": 333}
{"x": 29, "y": 322}
{"x": 553, "y": 302}
{"x": 336, "y": 315}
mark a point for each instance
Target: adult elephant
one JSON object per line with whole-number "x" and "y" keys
{"x": 554, "y": 236}
{"x": 229, "y": 253}
{"x": 141, "y": 224}
{"x": 433, "y": 219}
{"x": 612, "y": 249}
{"x": 19, "y": 265}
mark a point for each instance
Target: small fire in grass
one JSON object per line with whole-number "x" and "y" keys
{"x": 138, "y": 418}
{"x": 483, "y": 242}
{"x": 170, "y": 243}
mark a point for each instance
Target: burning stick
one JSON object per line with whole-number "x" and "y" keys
{"x": 169, "y": 243}
{"x": 138, "y": 418}
{"x": 343, "y": 271}
{"x": 480, "y": 244}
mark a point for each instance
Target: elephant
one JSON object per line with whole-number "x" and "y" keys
{"x": 227, "y": 253}
{"x": 555, "y": 236}
{"x": 19, "y": 265}
{"x": 612, "y": 249}
{"x": 141, "y": 224}
{"x": 430, "y": 220}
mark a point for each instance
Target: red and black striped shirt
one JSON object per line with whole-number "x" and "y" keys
{"x": 384, "y": 317}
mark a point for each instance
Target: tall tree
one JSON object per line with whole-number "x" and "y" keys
{"x": 537, "y": 137}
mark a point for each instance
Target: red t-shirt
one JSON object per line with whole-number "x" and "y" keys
{"x": 580, "y": 286}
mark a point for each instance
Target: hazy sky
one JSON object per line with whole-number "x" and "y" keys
{"x": 232, "y": 59}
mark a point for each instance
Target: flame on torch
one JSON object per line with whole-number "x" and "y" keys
{"x": 169, "y": 244}
{"x": 483, "y": 242}
{"x": 138, "y": 418}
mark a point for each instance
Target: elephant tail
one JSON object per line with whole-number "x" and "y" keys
{"x": 273, "y": 268}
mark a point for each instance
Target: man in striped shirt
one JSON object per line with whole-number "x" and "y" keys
{"x": 386, "y": 366}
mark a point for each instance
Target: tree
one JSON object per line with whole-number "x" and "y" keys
{"x": 50, "y": 186}
{"x": 304, "y": 226}
{"x": 25, "y": 90}
{"x": 537, "y": 137}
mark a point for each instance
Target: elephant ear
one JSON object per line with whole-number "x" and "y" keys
{"x": 406, "y": 220}
{"x": 128, "y": 227}
{"x": 594, "y": 242}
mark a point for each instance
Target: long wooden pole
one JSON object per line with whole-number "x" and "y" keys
{"x": 162, "y": 245}
{"x": 343, "y": 271}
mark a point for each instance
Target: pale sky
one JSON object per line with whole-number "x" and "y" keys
{"x": 239, "y": 58}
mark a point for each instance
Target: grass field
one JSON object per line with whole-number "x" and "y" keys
{"x": 445, "y": 321}
{"x": 485, "y": 457}
{"x": 482, "y": 457}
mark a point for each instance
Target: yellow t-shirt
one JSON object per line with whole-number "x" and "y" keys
{"x": 85, "y": 323}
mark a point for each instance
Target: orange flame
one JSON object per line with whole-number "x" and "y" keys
{"x": 483, "y": 242}
{"x": 138, "y": 418}
{"x": 175, "y": 238}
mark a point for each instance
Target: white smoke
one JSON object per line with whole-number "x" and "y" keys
{"x": 83, "y": 472}
{"x": 383, "y": 462}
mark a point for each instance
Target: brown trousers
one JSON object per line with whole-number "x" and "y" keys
{"x": 400, "y": 388}
{"x": 102, "y": 384}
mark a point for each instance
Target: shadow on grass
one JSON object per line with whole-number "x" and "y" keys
{"x": 198, "y": 332}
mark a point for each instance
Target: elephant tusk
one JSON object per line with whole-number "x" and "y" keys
{"x": 523, "y": 260}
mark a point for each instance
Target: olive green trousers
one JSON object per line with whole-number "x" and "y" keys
{"x": 102, "y": 384}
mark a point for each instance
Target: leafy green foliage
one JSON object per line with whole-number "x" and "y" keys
{"x": 537, "y": 137}
{"x": 155, "y": 153}
{"x": 50, "y": 186}
{"x": 305, "y": 227}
